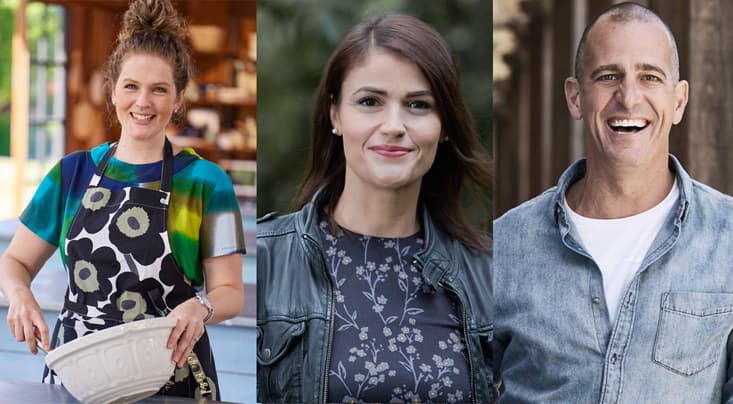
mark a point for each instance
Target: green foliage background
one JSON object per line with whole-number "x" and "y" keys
{"x": 295, "y": 39}
{"x": 7, "y": 18}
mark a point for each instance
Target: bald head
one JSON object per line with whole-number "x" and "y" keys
{"x": 621, "y": 14}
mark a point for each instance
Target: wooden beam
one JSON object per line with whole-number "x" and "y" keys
{"x": 114, "y": 5}
{"x": 19, "y": 103}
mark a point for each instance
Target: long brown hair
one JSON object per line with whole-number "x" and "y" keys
{"x": 152, "y": 27}
{"x": 461, "y": 157}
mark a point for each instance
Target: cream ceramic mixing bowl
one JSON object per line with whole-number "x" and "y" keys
{"x": 127, "y": 362}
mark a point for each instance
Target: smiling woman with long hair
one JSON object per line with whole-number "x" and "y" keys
{"x": 373, "y": 290}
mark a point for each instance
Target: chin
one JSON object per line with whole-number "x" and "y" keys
{"x": 140, "y": 136}
{"x": 394, "y": 183}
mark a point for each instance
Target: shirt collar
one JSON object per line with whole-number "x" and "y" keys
{"x": 577, "y": 171}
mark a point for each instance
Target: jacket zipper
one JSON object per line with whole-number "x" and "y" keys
{"x": 418, "y": 262}
{"x": 467, "y": 338}
{"x": 330, "y": 321}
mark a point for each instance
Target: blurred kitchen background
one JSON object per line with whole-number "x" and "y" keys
{"x": 52, "y": 54}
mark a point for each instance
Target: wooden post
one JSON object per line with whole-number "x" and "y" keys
{"x": 19, "y": 103}
{"x": 676, "y": 14}
{"x": 563, "y": 127}
{"x": 710, "y": 120}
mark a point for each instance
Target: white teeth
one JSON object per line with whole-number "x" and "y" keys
{"x": 635, "y": 123}
{"x": 142, "y": 117}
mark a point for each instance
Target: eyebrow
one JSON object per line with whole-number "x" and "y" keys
{"x": 160, "y": 83}
{"x": 378, "y": 91}
{"x": 419, "y": 93}
{"x": 639, "y": 66}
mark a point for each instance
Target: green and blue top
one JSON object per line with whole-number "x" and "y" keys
{"x": 203, "y": 216}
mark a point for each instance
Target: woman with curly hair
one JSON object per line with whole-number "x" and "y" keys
{"x": 140, "y": 224}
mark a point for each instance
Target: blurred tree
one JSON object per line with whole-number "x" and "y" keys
{"x": 7, "y": 18}
{"x": 295, "y": 39}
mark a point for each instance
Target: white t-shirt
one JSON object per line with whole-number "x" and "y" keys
{"x": 618, "y": 246}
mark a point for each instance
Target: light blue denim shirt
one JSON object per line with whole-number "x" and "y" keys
{"x": 671, "y": 342}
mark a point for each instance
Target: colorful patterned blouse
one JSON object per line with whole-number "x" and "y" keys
{"x": 393, "y": 341}
{"x": 203, "y": 217}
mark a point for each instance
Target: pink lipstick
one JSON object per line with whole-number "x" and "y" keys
{"x": 390, "y": 151}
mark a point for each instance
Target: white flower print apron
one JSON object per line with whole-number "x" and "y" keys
{"x": 121, "y": 269}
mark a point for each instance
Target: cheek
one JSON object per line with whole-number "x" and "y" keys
{"x": 427, "y": 134}
{"x": 594, "y": 102}
{"x": 120, "y": 109}
{"x": 352, "y": 146}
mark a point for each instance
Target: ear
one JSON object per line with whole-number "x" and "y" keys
{"x": 179, "y": 99}
{"x": 681, "y": 91}
{"x": 335, "y": 121}
{"x": 572, "y": 97}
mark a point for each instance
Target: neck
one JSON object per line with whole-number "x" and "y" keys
{"x": 378, "y": 212}
{"x": 608, "y": 193}
{"x": 136, "y": 151}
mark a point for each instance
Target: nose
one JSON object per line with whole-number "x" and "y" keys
{"x": 393, "y": 124}
{"x": 628, "y": 93}
{"x": 143, "y": 99}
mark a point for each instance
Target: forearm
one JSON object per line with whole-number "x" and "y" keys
{"x": 14, "y": 277}
{"x": 21, "y": 261}
{"x": 227, "y": 301}
{"x": 224, "y": 287}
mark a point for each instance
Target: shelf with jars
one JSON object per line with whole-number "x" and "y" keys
{"x": 220, "y": 116}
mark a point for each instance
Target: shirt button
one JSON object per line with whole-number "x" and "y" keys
{"x": 613, "y": 359}
{"x": 596, "y": 300}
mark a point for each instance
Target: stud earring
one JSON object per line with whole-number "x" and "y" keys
{"x": 114, "y": 102}
{"x": 334, "y": 131}
{"x": 445, "y": 139}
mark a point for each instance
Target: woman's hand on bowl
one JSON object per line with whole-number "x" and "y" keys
{"x": 25, "y": 320}
{"x": 189, "y": 328}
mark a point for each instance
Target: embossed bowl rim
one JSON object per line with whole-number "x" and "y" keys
{"x": 103, "y": 335}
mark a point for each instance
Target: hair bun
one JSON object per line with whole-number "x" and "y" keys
{"x": 147, "y": 16}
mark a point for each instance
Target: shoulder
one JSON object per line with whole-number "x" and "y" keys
{"x": 709, "y": 207}
{"x": 471, "y": 259}
{"x": 274, "y": 224}
{"x": 530, "y": 211}
{"x": 446, "y": 250}
{"x": 707, "y": 195}
{"x": 188, "y": 163}
{"x": 77, "y": 163}
{"x": 475, "y": 267}
{"x": 81, "y": 156}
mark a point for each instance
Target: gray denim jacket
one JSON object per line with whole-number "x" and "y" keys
{"x": 672, "y": 341}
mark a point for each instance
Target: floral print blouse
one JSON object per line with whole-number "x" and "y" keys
{"x": 394, "y": 340}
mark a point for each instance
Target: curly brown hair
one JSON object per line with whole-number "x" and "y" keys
{"x": 153, "y": 27}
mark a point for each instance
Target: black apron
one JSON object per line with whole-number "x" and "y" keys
{"x": 121, "y": 269}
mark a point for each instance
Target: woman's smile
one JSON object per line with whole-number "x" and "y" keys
{"x": 390, "y": 151}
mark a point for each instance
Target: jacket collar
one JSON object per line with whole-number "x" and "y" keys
{"x": 577, "y": 171}
{"x": 433, "y": 260}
